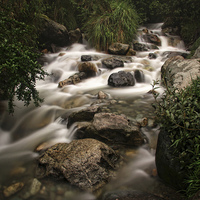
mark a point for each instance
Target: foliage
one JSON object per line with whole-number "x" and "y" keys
{"x": 19, "y": 69}
{"x": 62, "y": 12}
{"x": 194, "y": 47}
{"x": 178, "y": 111}
{"x": 115, "y": 22}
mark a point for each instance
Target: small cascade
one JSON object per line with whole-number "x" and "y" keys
{"x": 30, "y": 127}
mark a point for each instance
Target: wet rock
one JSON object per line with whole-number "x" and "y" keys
{"x": 86, "y": 58}
{"x": 121, "y": 79}
{"x": 74, "y": 79}
{"x": 86, "y": 114}
{"x": 179, "y": 72}
{"x": 118, "y": 49}
{"x": 56, "y": 74}
{"x": 61, "y": 54}
{"x": 130, "y": 195}
{"x": 111, "y": 129}
{"x": 152, "y": 56}
{"x": 170, "y": 54}
{"x": 140, "y": 47}
{"x": 52, "y": 33}
{"x": 139, "y": 76}
{"x": 75, "y": 36}
{"x": 112, "y": 63}
{"x": 102, "y": 95}
{"x": 87, "y": 164}
{"x": 88, "y": 67}
{"x": 174, "y": 41}
{"x": 152, "y": 38}
{"x": 131, "y": 52}
{"x": 13, "y": 189}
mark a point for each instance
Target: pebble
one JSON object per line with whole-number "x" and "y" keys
{"x": 33, "y": 189}
{"x": 12, "y": 189}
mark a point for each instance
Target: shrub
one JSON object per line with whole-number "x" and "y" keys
{"x": 118, "y": 22}
{"x": 19, "y": 69}
{"x": 178, "y": 111}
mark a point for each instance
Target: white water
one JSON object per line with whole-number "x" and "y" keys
{"x": 29, "y": 127}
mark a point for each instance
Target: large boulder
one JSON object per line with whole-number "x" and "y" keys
{"x": 87, "y": 164}
{"x": 118, "y": 48}
{"x": 52, "y": 33}
{"x": 179, "y": 72}
{"x": 167, "y": 162}
{"x": 121, "y": 79}
{"x": 111, "y": 129}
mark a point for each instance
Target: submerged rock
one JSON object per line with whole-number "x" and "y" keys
{"x": 13, "y": 189}
{"x": 87, "y": 163}
{"x": 130, "y": 195}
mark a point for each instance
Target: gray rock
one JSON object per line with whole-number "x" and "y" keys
{"x": 112, "y": 129}
{"x": 179, "y": 72}
{"x": 139, "y": 76}
{"x": 112, "y": 63}
{"x": 86, "y": 114}
{"x": 152, "y": 56}
{"x": 86, "y": 58}
{"x": 140, "y": 47}
{"x": 87, "y": 164}
{"x": 121, "y": 79}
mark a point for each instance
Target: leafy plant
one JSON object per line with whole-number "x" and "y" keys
{"x": 178, "y": 111}
{"x": 118, "y": 22}
{"x": 19, "y": 69}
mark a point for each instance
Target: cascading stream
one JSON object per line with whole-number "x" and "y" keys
{"x": 29, "y": 127}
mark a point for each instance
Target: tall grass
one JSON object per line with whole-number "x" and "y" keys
{"x": 117, "y": 23}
